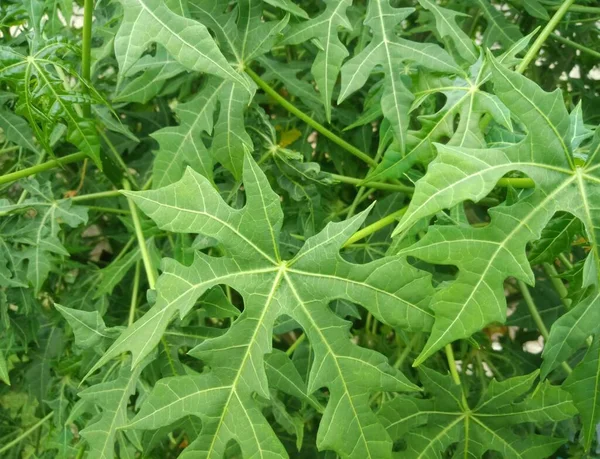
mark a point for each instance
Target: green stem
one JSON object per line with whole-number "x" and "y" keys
{"x": 9, "y": 149}
{"x": 53, "y": 163}
{"x": 134, "y": 294}
{"x": 516, "y": 182}
{"x": 558, "y": 285}
{"x": 376, "y": 185}
{"x": 379, "y": 224}
{"x": 579, "y": 9}
{"x": 572, "y": 44}
{"x": 452, "y": 364}
{"x": 25, "y": 434}
{"x": 565, "y": 261}
{"x": 290, "y": 350}
{"x": 537, "y": 318}
{"x": 454, "y": 372}
{"x": 86, "y": 46}
{"x": 543, "y": 36}
{"x": 406, "y": 351}
{"x": 100, "y": 195}
{"x": 118, "y": 158}
{"x": 150, "y": 272}
{"x": 109, "y": 210}
{"x": 308, "y": 120}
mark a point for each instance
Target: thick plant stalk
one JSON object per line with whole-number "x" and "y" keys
{"x": 543, "y": 36}
{"x": 389, "y": 219}
{"x": 86, "y": 47}
{"x": 13, "y": 176}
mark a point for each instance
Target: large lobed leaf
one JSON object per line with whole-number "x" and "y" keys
{"x": 301, "y": 288}
{"x": 430, "y": 426}
{"x": 487, "y": 256}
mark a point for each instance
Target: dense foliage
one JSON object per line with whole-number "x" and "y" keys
{"x": 269, "y": 229}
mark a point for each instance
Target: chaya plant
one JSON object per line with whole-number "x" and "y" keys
{"x": 270, "y": 229}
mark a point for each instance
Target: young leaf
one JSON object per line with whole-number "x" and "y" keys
{"x": 430, "y": 426}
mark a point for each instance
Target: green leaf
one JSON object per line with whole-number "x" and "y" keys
{"x": 17, "y": 130}
{"x": 430, "y": 426}
{"x": 182, "y": 146}
{"x": 115, "y": 272}
{"x": 584, "y": 386}
{"x": 556, "y": 238}
{"x": 88, "y": 327}
{"x": 325, "y": 30}
{"x": 300, "y": 288}
{"x": 112, "y": 398}
{"x": 571, "y": 330}
{"x": 499, "y": 28}
{"x": 188, "y": 41}
{"x": 390, "y": 51}
{"x": 153, "y": 71}
{"x": 536, "y": 9}
{"x": 476, "y": 298}
{"x": 445, "y": 21}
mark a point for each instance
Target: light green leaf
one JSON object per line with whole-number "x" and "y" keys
{"x": 430, "y": 426}
{"x": 325, "y": 30}
{"x": 112, "y": 398}
{"x": 584, "y": 386}
{"x": 445, "y": 21}
{"x": 151, "y": 21}
{"x": 476, "y": 298}
{"x": 300, "y": 288}
{"x": 17, "y": 130}
{"x": 88, "y": 327}
{"x": 231, "y": 141}
{"x": 182, "y": 145}
{"x": 390, "y": 51}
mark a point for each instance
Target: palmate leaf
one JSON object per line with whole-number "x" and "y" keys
{"x": 390, "y": 51}
{"x": 112, "y": 398}
{"x": 487, "y": 256}
{"x": 182, "y": 146}
{"x": 445, "y": 20}
{"x": 151, "y": 21}
{"x": 38, "y": 236}
{"x": 325, "y": 29}
{"x": 429, "y": 426}
{"x": 300, "y": 288}
{"x": 465, "y": 100}
{"x": 45, "y": 101}
{"x": 242, "y": 36}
